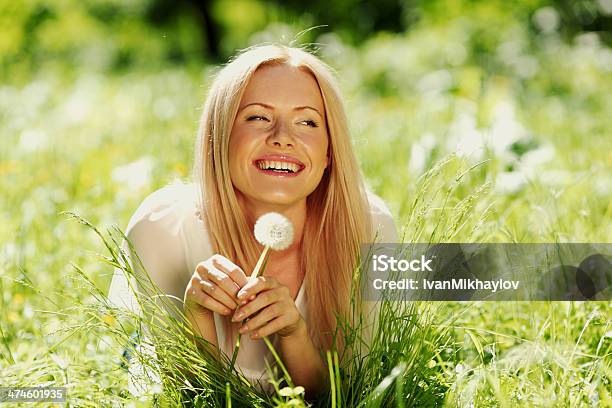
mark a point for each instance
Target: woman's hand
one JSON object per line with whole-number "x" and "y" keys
{"x": 213, "y": 287}
{"x": 270, "y": 308}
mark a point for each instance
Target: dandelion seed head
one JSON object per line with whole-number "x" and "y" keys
{"x": 274, "y": 230}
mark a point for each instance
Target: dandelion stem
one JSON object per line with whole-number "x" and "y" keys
{"x": 259, "y": 267}
{"x": 260, "y": 263}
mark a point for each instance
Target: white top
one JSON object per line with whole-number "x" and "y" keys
{"x": 171, "y": 240}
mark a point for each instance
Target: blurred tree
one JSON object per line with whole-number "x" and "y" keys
{"x": 117, "y": 34}
{"x": 92, "y": 34}
{"x": 167, "y": 12}
{"x": 357, "y": 19}
{"x": 585, "y": 15}
{"x": 354, "y": 20}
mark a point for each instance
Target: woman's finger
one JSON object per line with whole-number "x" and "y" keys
{"x": 231, "y": 269}
{"x": 272, "y": 327}
{"x": 262, "y": 300}
{"x": 208, "y": 272}
{"x": 219, "y": 295}
{"x": 201, "y": 298}
{"x": 253, "y": 287}
{"x": 260, "y": 319}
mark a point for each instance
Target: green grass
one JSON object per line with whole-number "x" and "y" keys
{"x": 65, "y": 137}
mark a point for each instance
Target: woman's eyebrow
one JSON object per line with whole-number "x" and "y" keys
{"x": 265, "y": 105}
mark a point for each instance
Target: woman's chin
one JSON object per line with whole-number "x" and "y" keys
{"x": 279, "y": 198}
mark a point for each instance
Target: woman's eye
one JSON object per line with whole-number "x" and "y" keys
{"x": 257, "y": 117}
{"x": 311, "y": 123}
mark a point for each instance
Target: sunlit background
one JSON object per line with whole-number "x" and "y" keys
{"x": 474, "y": 120}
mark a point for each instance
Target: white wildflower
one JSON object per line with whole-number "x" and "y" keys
{"x": 510, "y": 182}
{"x": 546, "y": 19}
{"x": 420, "y": 153}
{"x": 505, "y": 129}
{"x": 465, "y": 138}
{"x": 274, "y": 230}
{"x": 533, "y": 159}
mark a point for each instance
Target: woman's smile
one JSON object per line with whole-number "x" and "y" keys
{"x": 277, "y": 165}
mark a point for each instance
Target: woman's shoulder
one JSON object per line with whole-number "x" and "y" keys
{"x": 168, "y": 208}
{"x": 156, "y": 233}
{"x": 383, "y": 223}
{"x": 377, "y": 204}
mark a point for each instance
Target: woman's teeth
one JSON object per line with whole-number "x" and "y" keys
{"x": 278, "y": 166}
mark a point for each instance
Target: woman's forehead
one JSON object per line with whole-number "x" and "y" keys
{"x": 283, "y": 85}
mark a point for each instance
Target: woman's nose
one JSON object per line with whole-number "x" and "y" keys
{"x": 281, "y": 136}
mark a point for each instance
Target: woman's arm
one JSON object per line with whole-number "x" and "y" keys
{"x": 203, "y": 324}
{"x": 302, "y": 360}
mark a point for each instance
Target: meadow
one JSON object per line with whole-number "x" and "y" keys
{"x": 509, "y": 144}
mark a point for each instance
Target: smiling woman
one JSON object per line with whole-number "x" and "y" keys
{"x": 273, "y": 137}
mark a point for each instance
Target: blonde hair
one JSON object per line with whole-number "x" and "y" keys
{"x": 337, "y": 220}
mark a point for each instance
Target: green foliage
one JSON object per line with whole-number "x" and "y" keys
{"x": 93, "y": 35}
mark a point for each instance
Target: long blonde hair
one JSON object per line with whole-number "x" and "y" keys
{"x": 337, "y": 220}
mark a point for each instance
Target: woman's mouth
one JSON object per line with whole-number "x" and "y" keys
{"x": 278, "y": 168}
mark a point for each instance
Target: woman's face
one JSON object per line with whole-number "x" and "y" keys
{"x": 278, "y": 144}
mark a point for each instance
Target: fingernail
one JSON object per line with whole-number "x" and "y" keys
{"x": 244, "y": 302}
{"x": 241, "y": 294}
{"x": 227, "y": 311}
{"x": 254, "y": 335}
{"x": 243, "y": 329}
{"x": 238, "y": 316}
{"x": 252, "y": 297}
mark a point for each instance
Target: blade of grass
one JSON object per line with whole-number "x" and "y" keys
{"x": 5, "y": 343}
{"x": 228, "y": 395}
{"x": 338, "y": 382}
{"x": 331, "y": 379}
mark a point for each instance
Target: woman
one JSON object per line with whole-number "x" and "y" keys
{"x": 273, "y": 137}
